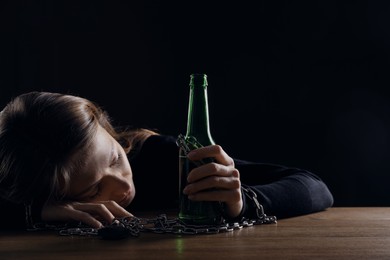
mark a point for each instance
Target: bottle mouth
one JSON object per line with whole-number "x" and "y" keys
{"x": 198, "y": 75}
{"x": 198, "y": 79}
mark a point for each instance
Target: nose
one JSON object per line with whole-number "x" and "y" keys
{"x": 117, "y": 186}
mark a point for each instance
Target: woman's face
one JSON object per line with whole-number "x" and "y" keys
{"x": 105, "y": 174}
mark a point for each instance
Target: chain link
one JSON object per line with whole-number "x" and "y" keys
{"x": 262, "y": 218}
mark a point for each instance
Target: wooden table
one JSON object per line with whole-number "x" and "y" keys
{"x": 338, "y": 233}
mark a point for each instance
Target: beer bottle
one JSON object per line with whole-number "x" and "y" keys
{"x": 197, "y": 135}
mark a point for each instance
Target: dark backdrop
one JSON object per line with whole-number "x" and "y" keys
{"x": 300, "y": 83}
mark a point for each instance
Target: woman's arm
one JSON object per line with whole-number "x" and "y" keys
{"x": 284, "y": 192}
{"x": 21, "y": 217}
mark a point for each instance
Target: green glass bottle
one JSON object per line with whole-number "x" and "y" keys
{"x": 198, "y": 129}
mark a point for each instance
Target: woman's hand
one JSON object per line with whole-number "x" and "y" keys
{"x": 217, "y": 181}
{"x": 90, "y": 213}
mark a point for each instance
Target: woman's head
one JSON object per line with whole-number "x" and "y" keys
{"x": 44, "y": 140}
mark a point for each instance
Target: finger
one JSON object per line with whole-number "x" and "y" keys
{"x": 214, "y": 151}
{"x": 86, "y": 218}
{"x": 116, "y": 209}
{"x": 214, "y": 182}
{"x": 67, "y": 212}
{"x": 207, "y": 170}
{"x": 211, "y": 169}
{"x": 228, "y": 196}
{"x": 97, "y": 209}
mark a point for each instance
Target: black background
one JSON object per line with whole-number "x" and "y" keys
{"x": 299, "y": 83}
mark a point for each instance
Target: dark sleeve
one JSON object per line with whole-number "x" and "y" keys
{"x": 283, "y": 192}
{"x": 19, "y": 216}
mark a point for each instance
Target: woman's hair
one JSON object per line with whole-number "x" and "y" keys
{"x": 40, "y": 135}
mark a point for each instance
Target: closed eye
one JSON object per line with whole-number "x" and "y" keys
{"x": 116, "y": 161}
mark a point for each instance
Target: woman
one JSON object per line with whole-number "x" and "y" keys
{"x": 62, "y": 160}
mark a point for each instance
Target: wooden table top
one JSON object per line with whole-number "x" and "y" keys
{"x": 337, "y": 233}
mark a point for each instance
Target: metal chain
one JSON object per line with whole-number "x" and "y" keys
{"x": 133, "y": 226}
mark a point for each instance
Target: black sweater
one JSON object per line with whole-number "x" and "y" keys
{"x": 283, "y": 191}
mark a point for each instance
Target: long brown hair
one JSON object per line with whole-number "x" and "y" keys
{"x": 39, "y": 134}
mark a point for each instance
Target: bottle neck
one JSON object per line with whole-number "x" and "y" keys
{"x": 198, "y": 112}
